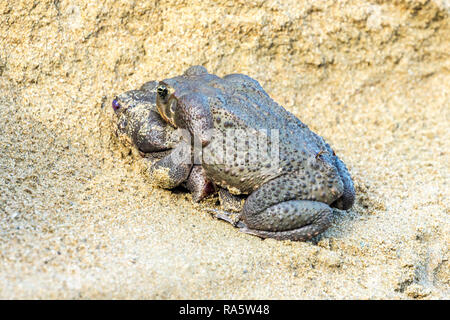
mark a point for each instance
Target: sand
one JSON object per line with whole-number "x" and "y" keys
{"x": 78, "y": 220}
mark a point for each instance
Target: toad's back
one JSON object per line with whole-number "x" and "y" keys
{"x": 246, "y": 120}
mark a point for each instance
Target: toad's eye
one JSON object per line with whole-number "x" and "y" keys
{"x": 116, "y": 105}
{"x": 162, "y": 91}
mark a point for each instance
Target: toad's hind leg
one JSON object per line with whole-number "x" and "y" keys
{"x": 297, "y": 220}
{"x": 285, "y": 208}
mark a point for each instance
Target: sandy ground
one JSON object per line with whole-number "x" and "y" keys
{"x": 78, "y": 219}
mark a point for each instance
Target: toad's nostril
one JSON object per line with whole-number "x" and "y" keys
{"x": 115, "y": 105}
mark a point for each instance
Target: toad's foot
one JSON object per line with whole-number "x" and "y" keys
{"x": 230, "y": 217}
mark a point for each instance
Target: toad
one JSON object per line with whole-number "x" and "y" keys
{"x": 250, "y": 148}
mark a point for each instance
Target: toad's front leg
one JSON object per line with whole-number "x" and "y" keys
{"x": 176, "y": 169}
{"x": 170, "y": 171}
